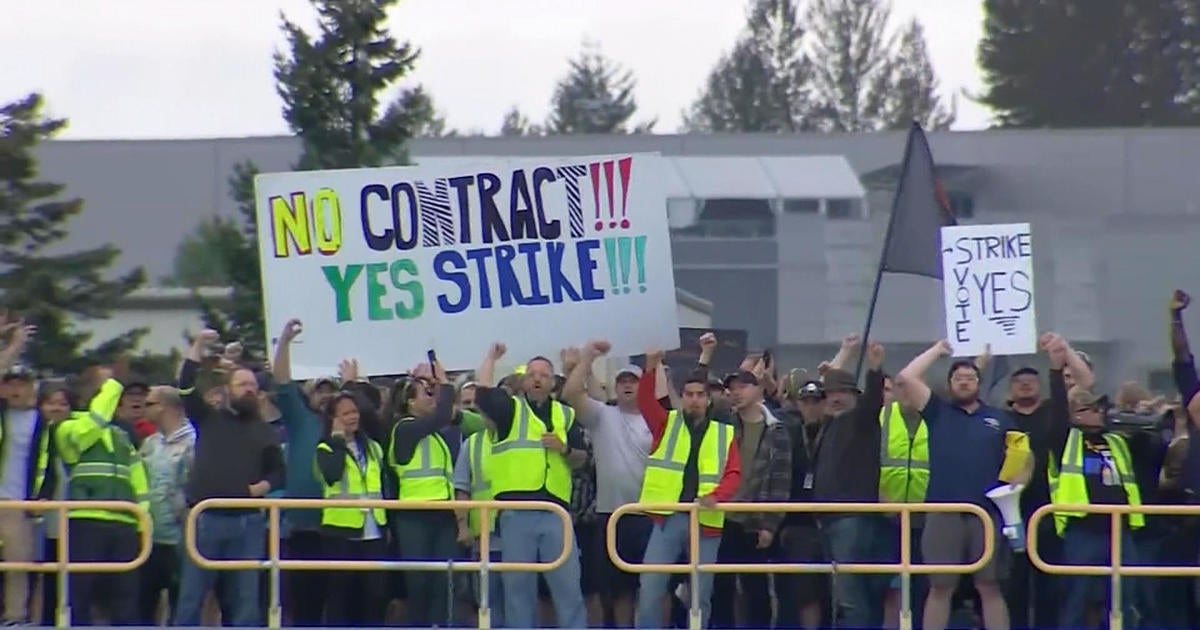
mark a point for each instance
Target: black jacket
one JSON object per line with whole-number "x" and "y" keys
{"x": 232, "y": 452}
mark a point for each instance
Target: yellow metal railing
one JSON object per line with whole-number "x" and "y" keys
{"x": 275, "y": 564}
{"x": 1115, "y": 569}
{"x": 63, "y": 565}
{"x": 905, "y": 567}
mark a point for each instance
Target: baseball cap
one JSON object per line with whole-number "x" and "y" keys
{"x": 19, "y": 372}
{"x": 809, "y": 390}
{"x": 631, "y": 370}
{"x": 1022, "y": 371}
{"x": 1081, "y": 399}
{"x": 744, "y": 377}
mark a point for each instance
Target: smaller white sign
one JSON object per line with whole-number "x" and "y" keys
{"x": 987, "y": 280}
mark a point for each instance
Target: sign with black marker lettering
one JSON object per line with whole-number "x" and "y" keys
{"x": 987, "y": 279}
{"x": 382, "y": 264}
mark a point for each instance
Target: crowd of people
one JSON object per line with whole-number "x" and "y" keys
{"x": 551, "y": 432}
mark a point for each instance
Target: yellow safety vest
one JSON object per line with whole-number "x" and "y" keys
{"x": 101, "y": 462}
{"x": 903, "y": 461}
{"x": 479, "y": 458}
{"x": 1068, "y": 486}
{"x": 663, "y": 482}
{"x": 429, "y": 473}
{"x": 355, "y": 484}
{"x": 521, "y": 464}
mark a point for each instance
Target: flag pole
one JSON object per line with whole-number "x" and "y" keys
{"x": 887, "y": 241}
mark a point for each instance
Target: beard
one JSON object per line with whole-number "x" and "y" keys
{"x": 245, "y": 406}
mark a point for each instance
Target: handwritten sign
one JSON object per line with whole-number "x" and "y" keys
{"x": 987, "y": 279}
{"x": 383, "y": 264}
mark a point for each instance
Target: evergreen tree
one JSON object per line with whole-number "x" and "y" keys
{"x": 40, "y": 284}
{"x": 852, "y": 61}
{"x": 914, "y": 86}
{"x": 516, "y": 123}
{"x": 1091, "y": 63}
{"x": 595, "y": 96}
{"x": 331, "y": 87}
{"x": 761, "y": 85}
{"x": 200, "y": 258}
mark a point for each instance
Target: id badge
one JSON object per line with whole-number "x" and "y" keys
{"x": 808, "y": 481}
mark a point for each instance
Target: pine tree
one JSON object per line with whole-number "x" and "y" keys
{"x": 515, "y": 123}
{"x": 331, "y": 88}
{"x": 852, "y": 61}
{"x": 914, "y": 86}
{"x": 761, "y": 85}
{"x": 1128, "y": 63}
{"x": 39, "y": 283}
{"x": 595, "y": 96}
{"x": 201, "y": 256}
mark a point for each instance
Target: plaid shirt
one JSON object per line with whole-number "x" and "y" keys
{"x": 583, "y": 486}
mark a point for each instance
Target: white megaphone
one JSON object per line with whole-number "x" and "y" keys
{"x": 1008, "y": 499}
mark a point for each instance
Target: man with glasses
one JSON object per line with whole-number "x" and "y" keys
{"x": 967, "y": 441}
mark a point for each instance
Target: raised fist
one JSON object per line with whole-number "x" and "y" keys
{"x": 496, "y": 351}
{"x": 708, "y": 341}
{"x": 1179, "y": 300}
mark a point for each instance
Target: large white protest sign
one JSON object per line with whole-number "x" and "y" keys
{"x": 987, "y": 279}
{"x": 383, "y": 264}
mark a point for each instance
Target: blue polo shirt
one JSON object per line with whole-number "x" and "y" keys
{"x": 966, "y": 451}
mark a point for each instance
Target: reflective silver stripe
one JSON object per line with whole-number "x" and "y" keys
{"x": 722, "y": 454}
{"x": 520, "y": 439}
{"x": 1072, "y": 463}
{"x": 99, "y": 469}
{"x": 97, "y": 418}
{"x": 475, "y": 454}
{"x": 668, "y": 453}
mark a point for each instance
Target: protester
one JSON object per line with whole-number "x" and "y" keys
{"x": 423, "y": 465}
{"x": 168, "y": 457}
{"x": 351, "y": 466}
{"x": 847, "y": 470}
{"x": 621, "y": 444}
{"x": 102, "y": 465}
{"x": 693, "y": 458}
{"x": 967, "y": 443}
{"x": 55, "y": 403}
{"x": 23, "y": 464}
{"x": 535, "y": 439}
{"x": 237, "y": 456}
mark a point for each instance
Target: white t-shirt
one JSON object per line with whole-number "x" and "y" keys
{"x": 620, "y": 446}
{"x": 18, "y": 435}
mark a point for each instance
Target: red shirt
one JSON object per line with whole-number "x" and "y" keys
{"x": 656, "y": 420}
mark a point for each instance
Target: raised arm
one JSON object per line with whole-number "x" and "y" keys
{"x": 193, "y": 403}
{"x": 575, "y": 390}
{"x": 849, "y": 345}
{"x": 1083, "y": 375}
{"x": 652, "y": 412}
{"x": 18, "y": 334}
{"x": 910, "y": 382}
{"x": 281, "y": 365}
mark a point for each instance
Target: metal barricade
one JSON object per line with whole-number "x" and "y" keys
{"x": 63, "y": 566}
{"x": 274, "y": 564}
{"x": 905, "y": 567}
{"x": 1115, "y": 569}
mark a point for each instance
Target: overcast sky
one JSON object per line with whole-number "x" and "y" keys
{"x": 202, "y": 68}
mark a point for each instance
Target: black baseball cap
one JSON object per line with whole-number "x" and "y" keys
{"x": 1030, "y": 370}
{"x": 744, "y": 377}
{"x": 811, "y": 389}
{"x": 19, "y": 372}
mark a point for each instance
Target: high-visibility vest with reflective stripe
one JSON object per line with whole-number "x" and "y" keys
{"x": 110, "y": 470}
{"x": 521, "y": 464}
{"x": 1068, "y": 486}
{"x": 663, "y": 482}
{"x": 479, "y": 458}
{"x": 355, "y": 484}
{"x": 903, "y": 460}
{"x": 429, "y": 473}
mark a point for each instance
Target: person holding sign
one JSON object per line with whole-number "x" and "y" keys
{"x": 531, "y": 461}
{"x": 967, "y": 448}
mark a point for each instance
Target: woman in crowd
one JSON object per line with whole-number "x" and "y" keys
{"x": 350, "y": 465}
